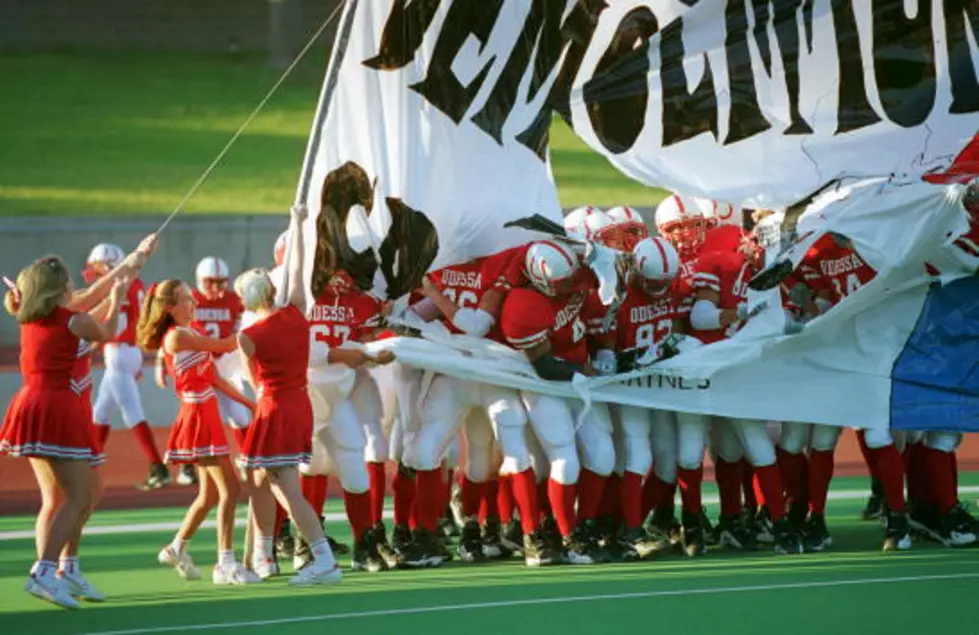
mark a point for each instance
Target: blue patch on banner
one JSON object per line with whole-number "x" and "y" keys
{"x": 935, "y": 380}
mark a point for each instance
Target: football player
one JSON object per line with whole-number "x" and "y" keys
{"x": 629, "y": 226}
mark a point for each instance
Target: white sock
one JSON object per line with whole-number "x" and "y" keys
{"x": 322, "y": 552}
{"x": 44, "y": 570}
{"x": 263, "y": 547}
{"x": 178, "y": 545}
{"x": 226, "y": 558}
{"x": 70, "y": 564}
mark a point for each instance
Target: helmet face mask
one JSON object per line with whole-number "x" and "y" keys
{"x": 212, "y": 278}
{"x": 553, "y": 269}
{"x": 688, "y": 235}
{"x": 214, "y": 288}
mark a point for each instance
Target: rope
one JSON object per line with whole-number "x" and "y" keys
{"x": 247, "y": 122}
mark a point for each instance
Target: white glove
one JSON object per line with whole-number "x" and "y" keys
{"x": 606, "y": 362}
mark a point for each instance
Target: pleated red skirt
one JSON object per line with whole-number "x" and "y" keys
{"x": 46, "y": 422}
{"x": 197, "y": 433}
{"x": 281, "y": 434}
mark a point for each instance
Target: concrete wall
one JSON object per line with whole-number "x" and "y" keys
{"x": 157, "y": 25}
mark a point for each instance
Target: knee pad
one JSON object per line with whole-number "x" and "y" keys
{"x": 129, "y": 400}
{"x": 639, "y": 457}
{"x": 632, "y": 448}
{"x": 513, "y": 446}
{"x": 377, "y": 449}
{"x": 552, "y": 421}
{"x": 912, "y": 436}
{"x": 946, "y": 442}
{"x": 564, "y": 465}
{"x": 758, "y": 446}
{"x": 824, "y": 438}
{"x": 878, "y": 438}
{"x": 351, "y": 470}
{"x": 795, "y": 436}
{"x": 691, "y": 436}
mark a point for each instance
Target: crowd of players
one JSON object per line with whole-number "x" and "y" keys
{"x": 541, "y": 476}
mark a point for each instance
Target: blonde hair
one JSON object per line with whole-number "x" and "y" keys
{"x": 41, "y": 287}
{"x": 255, "y": 289}
{"x": 154, "y": 316}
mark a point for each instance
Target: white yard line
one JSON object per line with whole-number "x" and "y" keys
{"x": 334, "y": 517}
{"x": 537, "y": 601}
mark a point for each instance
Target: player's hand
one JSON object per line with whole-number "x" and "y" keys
{"x": 160, "y": 375}
{"x": 729, "y": 317}
{"x": 589, "y": 371}
{"x": 428, "y": 287}
{"x": 352, "y": 357}
{"x": 299, "y": 212}
{"x": 384, "y": 357}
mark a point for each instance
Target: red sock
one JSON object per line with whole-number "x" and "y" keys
{"x": 314, "y": 491}
{"x": 728, "y": 477}
{"x": 145, "y": 437}
{"x": 690, "y": 482}
{"x": 358, "y": 512}
{"x": 525, "y": 495}
{"x": 791, "y": 468}
{"x": 103, "y": 433}
{"x": 610, "y": 506}
{"x": 378, "y": 481}
{"x": 953, "y": 466}
{"x": 590, "y": 489}
{"x": 504, "y": 497}
{"x": 821, "y": 465}
{"x": 280, "y": 517}
{"x": 446, "y": 493}
{"x": 748, "y": 489}
{"x": 771, "y": 485}
{"x": 656, "y": 493}
{"x": 868, "y": 456}
{"x": 941, "y": 480}
{"x": 429, "y": 495}
{"x": 890, "y": 471}
{"x": 916, "y": 472}
{"x": 543, "y": 497}
{"x": 403, "y": 487}
{"x": 631, "y": 492}
{"x": 239, "y": 434}
{"x": 472, "y": 494}
{"x": 488, "y": 505}
{"x": 562, "y": 502}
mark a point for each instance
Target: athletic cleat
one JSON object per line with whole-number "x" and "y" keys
{"x": 538, "y": 551}
{"x": 815, "y": 535}
{"x": 265, "y": 568}
{"x": 471, "y": 543}
{"x": 663, "y": 523}
{"x": 392, "y": 558}
{"x": 513, "y": 538}
{"x": 285, "y": 544}
{"x": 53, "y": 590}
{"x": 493, "y": 547}
{"x": 636, "y": 544}
{"x": 693, "y": 535}
{"x": 159, "y": 476}
{"x": 787, "y": 539}
{"x": 552, "y": 532}
{"x": 366, "y": 556}
{"x": 578, "y": 547}
{"x": 317, "y": 574}
{"x": 600, "y": 552}
{"x": 710, "y": 532}
{"x": 761, "y": 526}
{"x": 874, "y": 508}
{"x": 338, "y": 548}
{"x": 187, "y": 475}
{"x": 80, "y": 587}
{"x": 897, "y": 533}
{"x": 447, "y": 524}
{"x": 798, "y": 513}
{"x": 233, "y": 575}
{"x": 423, "y": 550}
{"x": 957, "y": 528}
{"x": 400, "y": 538}
{"x": 182, "y": 562}
{"x": 732, "y": 533}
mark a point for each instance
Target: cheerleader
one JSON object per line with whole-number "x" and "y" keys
{"x": 46, "y": 421}
{"x": 276, "y": 349}
{"x": 197, "y": 436}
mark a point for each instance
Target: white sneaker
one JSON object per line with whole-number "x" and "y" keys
{"x": 265, "y": 568}
{"x": 54, "y": 590}
{"x": 80, "y": 587}
{"x": 233, "y": 574}
{"x": 316, "y": 573}
{"x": 182, "y": 562}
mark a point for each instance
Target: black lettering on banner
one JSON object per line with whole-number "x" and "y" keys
{"x": 441, "y": 87}
{"x": 406, "y": 252}
{"x": 904, "y": 61}
{"x": 853, "y": 109}
{"x": 685, "y": 114}
{"x": 616, "y": 97}
{"x": 403, "y": 33}
{"x": 578, "y": 28}
{"x": 786, "y": 23}
{"x": 962, "y": 72}
{"x": 745, "y": 118}
{"x": 762, "y": 14}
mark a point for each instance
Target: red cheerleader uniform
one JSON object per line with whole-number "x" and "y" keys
{"x": 197, "y": 432}
{"x": 81, "y": 385}
{"x": 282, "y": 431}
{"x": 46, "y": 417}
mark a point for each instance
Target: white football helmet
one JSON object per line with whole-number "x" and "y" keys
{"x": 107, "y": 254}
{"x": 630, "y": 227}
{"x": 587, "y": 223}
{"x": 657, "y": 263}
{"x": 212, "y": 272}
{"x": 279, "y": 251}
{"x": 718, "y": 213}
{"x": 681, "y": 221}
{"x": 548, "y": 264}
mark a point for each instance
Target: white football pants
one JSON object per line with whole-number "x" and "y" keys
{"x": 118, "y": 389}
{"x": 366, "y": 398}
{"x": 649, "y": 438}
{"x": 797, "y": 437}
{"x": 735, "y": 439}
{"x": 553, "y": 420}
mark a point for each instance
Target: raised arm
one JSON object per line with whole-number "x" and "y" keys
{"x": 294, "y": 273}
{"x": 92, "y": 329}
{"x": 86, "y": 299}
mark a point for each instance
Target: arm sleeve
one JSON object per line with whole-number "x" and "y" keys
{"x": 705, "y": 316}
{"x": 473, "y": 321}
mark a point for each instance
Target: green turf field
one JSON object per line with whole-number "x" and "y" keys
{"x": 87, "y": 133}
{"x": 853, "y": 588}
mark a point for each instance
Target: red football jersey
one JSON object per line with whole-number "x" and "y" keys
{"x": 840, "y": 270}
{"x": 529, "y": 318}
{"x": 342, "y": 314}
{"x": 129, "y": 314}
{"x": 507, "y": 269}
{"x": 727, "y": 274}
{"x": 683, "y": 286}
{"x": 465, "y": 285}
{"x": 219, "y": 318}
{"x": 644, "y": 320}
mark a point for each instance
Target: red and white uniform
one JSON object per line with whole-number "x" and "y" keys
{"x": 281, "y": 432}
{"x": 81, "y": 385}
{"x": 529, "y": 318}
{"x": 219, "y": 319}
{"x": 726, "y": 274}
{"x": 644, "y": 320}
{"x": 46, "y": 417}
{"x": 196, "y": 433}
{"x": 119, "y": 389}
{"x": 832, "y": 268}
